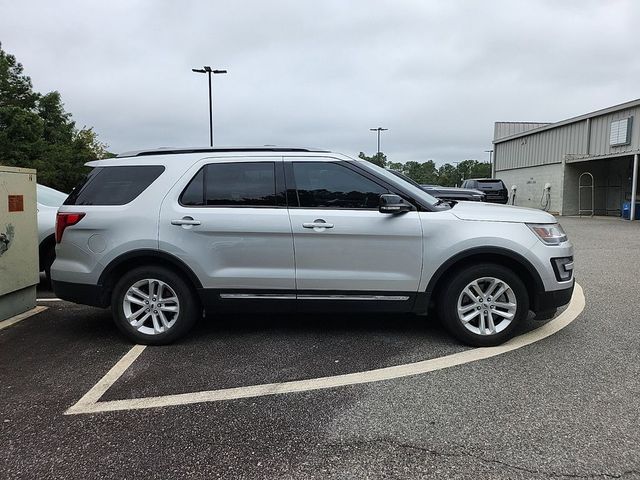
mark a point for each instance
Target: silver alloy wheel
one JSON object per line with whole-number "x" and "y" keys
{"x": 487, "y": 306}
{"x": 151, "y": 306}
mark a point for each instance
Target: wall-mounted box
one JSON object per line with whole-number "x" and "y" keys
{"x": 18, "y": 241}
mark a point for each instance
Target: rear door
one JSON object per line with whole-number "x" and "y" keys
{"x": 227, "y": 219}
{"x": 345, "y": 248}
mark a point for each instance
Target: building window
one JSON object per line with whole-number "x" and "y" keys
{"x": 620, "y": 132}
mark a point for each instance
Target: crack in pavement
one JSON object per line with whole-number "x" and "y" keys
{"x": 466, "y": 453}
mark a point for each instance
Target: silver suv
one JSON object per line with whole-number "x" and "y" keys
{"x": 163, "y": 235}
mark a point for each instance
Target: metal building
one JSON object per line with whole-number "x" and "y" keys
{"x": 588, "y": 164}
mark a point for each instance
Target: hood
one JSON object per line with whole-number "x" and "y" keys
{"x": 492, "y": 212}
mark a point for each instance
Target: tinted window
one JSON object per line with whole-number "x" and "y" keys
{"x": 491, "y": 184}
{"x": 323, "y": 184}
{"x": 194, "y": 193}
{"x": 114, "y": 185}
{"x": 233, "y": 184}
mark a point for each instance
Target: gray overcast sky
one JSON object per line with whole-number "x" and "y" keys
{"x": 321, "y": 73}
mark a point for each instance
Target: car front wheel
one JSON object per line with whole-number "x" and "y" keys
{"x": 481, "y": 305}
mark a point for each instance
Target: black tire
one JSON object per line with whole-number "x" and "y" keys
{"x": 48, "y": 257}
{"x": 447, "y": 304}
{"x": 184, "y": 320}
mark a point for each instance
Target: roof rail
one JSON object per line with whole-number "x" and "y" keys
{"x": 175, "y": 151}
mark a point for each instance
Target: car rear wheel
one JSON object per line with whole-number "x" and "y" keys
{"x": 153, "y": 306}
{"x": 481, "y": 305}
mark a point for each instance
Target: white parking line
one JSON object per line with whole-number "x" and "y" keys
{"x": 18, "y": 318}
{"x": 99, "y": 389}
{"x": 90, "y": 402}
{"x": 49, "y": 300}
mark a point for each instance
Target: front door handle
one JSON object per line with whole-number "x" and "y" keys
{"x": 185, "y": 221}
{"x": 317, "y": 223}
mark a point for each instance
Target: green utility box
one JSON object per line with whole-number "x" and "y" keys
{"x": 18, "y": 241}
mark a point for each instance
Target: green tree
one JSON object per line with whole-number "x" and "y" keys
{"x": 395, "y": 166}
{"x": 379, "y": 159}
{"x": 37, "y": 132}
{"x": 421, "y": 172}
{"x": 474, "y": 169}
{"x": 448, "y": 175}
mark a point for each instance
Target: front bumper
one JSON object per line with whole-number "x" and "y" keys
{"x": 547, "y": 302}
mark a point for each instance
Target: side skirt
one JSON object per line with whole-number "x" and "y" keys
{"x": 307, "y": 300}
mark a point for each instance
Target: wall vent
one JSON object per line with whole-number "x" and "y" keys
{"x": 620, "y": 133}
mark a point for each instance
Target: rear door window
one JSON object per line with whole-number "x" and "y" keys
{"x": 236, "y": 184}
{"x": 117, "y": 185}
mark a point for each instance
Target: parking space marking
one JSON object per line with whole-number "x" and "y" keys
{"x": 90, "y": 402}
{"x": 49, "y": 300}
{"x": 92, "y": 396}
{"x": 18, "y": 318}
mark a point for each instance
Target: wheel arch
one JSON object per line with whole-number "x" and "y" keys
{"x": 501, "y": 256}
{"x": 137, "y": 258}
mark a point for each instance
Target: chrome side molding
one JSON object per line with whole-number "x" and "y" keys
{"x": 292, "y": 296}
{"x": 262, "y": 296}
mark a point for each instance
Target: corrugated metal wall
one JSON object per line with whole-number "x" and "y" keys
{"x": 506, "y": 129}
{"x": 600, "y": 129}
{"x": 550, "y": 146}
{"x": 546, "y": 147}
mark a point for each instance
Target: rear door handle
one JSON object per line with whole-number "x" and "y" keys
{"x": 317, "y": 224}
{"x": 185, "y": 221}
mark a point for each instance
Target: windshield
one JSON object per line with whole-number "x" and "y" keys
{"x": 408, "y": 186}
{"x": 405, "y": 178}
{"x": 50, "y": 197}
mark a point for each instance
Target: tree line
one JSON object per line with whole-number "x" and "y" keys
{"x": 427, "y": 173}
{"x": 37, "y": 132}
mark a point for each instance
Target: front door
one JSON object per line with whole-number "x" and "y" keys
{"x": 344, "y": 247}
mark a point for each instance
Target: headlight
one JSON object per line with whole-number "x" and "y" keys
{"x": 549, "y": 233}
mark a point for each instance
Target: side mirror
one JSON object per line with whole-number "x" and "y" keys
{"x": 390, "y": 203}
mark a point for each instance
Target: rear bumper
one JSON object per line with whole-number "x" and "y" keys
{"x": 550, "y": 301}
{"x": 85, "y": 294}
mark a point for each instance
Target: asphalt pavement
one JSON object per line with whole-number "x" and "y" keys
{"x": 567, "y": 406}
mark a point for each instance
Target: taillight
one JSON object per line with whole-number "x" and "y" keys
{"x": 64, "y": 220}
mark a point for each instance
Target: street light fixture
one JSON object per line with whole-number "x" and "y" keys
{"x": 379, "y": 129}
{"x": 209, "y": 71}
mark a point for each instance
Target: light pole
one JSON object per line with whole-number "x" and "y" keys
{"x": 209, "y": 71}
{"x": 490, "y": 152}
{"x": 379, "y": 129}
{"x": 458, "y": 171}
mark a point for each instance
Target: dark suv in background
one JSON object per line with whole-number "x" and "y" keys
{"x": 444, "y": 193}
{"x": 494, "y": 189}
{"x": 454, "y": 193}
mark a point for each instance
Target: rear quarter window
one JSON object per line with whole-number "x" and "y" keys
{"x": 116, "y": 185}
